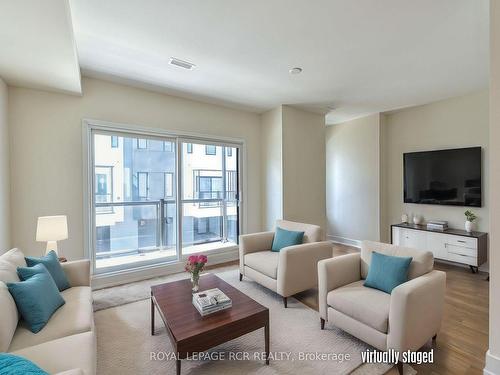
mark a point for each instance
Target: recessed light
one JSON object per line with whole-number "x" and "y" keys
{"x": 181, "y": 63}
{"x": 295, "y": 70}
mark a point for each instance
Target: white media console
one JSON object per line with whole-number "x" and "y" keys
{"x": 451, "y": 245}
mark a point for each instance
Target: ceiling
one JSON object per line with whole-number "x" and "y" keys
{"x": 37, "y": 45}
{"x": 358, "y": 57}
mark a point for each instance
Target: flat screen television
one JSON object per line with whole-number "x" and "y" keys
{"x": 446, "y": 177}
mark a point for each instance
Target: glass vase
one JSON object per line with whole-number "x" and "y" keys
{"x": 195, "y": 282}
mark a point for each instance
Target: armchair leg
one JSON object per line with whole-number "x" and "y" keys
{"x": 241, "y": 276}
{"x": 400, "y": 368}
{"x": 285, "y": 301}
{"x": 322, "y": 323}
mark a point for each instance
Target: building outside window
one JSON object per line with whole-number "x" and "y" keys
{"x": 169, "y": 185}
{"x": 143, "y": 185}
{"x": 168, "y": 146}
{"x": 210, "y": 150}
{"x": 142, "y": 143}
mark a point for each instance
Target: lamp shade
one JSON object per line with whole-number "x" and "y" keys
{"x": 52, "y": 228}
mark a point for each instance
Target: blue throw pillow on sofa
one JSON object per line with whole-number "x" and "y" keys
{"x": 12, "y": 365}
{"x": 52, "y": 264}
{"x": 387, "y": 272}
{"x": 37, "y": 298}
{"x": 283, "y": 238}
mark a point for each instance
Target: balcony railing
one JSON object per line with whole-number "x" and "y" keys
{"x": 165, "y": 232}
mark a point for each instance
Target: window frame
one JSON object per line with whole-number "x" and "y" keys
{"x": 91, "y": 127}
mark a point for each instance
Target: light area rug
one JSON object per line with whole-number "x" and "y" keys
{"x": 125, "y": 345}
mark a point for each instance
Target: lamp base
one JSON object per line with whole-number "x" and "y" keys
{"x": 51, "y": 245}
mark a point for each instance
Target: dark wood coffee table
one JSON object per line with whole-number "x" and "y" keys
{"x": 192, "y": 333}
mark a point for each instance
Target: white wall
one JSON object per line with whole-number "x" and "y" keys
{"x": 271, "y": 167}
{"x": 452, "y": 123}
{"x": 493, "y": 354}
{"x": 5, "y": 240}
{"x": 304, "y": 166}
{"x": 46, "y": 149}
{"x": 352, "y": 179}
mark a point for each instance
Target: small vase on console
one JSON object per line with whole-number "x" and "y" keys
{"x": 469, "y": 226}
{"x": 469, "y": 223}
{"x": 417, "y": 219}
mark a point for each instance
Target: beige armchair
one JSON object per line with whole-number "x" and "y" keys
{"x": 403, "y": 320}
{"x": 289, "y": 271}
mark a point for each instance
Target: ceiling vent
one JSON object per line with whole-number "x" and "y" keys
{"x": 181, "y": 63}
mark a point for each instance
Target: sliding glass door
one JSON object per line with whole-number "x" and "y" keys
{"x": 157, "y": 198}
{"x": 209, "y": 196}
{"x": 134, "y": 189}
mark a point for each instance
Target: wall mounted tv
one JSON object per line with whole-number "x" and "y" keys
{"x": 446, "y": 177}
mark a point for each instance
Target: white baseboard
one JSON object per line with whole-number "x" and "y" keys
{"x": 344, "y": 240}
{"x": 124, "y": 277}
{"x": 492, "y": 364}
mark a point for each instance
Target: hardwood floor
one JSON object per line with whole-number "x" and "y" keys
{"x": 463, "y": 340}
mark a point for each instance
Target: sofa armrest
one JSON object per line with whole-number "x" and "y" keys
{"x": 416, "y": 311}
{"x": 251, "y": 243}
{"x": 77, "y": 272}
{"x": 334, "y": 273}
{"x": 298, "y": 266}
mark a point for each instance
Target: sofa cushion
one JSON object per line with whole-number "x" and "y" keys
{"x": 8, "y": 265}
{"x": 13, "y": 364}
{"x": 265, "y": 262}
{"x": 51, "y": 262}
{"x": 67, "y": 353}
{"x": 76, "y": 293}
{"x": 9, "y": 317}
{"x": 37, "y": 299}
{"x": 14, "y": 256}
{"x": 366, "y": 305}
{"x": 422, "y": 263}
{"x": 76, "y": 316}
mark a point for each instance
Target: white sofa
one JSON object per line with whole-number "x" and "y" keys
{"x": 67, "y": 344}
{"x": 289, "y": 271}
{"x": 403, "y": 320}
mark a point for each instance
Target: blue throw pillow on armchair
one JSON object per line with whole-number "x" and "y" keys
{"x": 52, "y": 264}
{"x": 37, "y": 297}
{"x": 387, "y": 272}
{"x": 283, "y": 238}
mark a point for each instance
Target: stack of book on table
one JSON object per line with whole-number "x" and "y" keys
{"x": 210, "y": 301}
{"x": 437, "y": 225}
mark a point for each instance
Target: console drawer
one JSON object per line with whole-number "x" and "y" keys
{"x": 464, "y": 259}
{"x": 460, "y": 250}
{"x": 462, "y": 241}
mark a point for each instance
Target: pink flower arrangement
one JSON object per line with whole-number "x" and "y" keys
{"x": 195, "y": 264}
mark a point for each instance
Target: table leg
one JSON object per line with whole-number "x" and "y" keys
{"x": 178, "y": 366}
{"x": 152, "y": 317}
{"x": 266, "y": 337}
